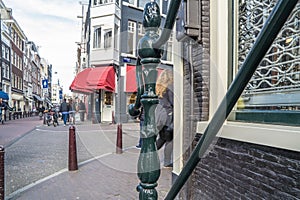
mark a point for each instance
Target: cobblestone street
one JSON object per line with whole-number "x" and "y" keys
{"x": 36, "y": 164}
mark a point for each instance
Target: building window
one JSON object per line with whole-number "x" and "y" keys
{"x": 6, "y": 54}
{"x": 131, "y": 38}
{"x": 116, "y": 43}
{"x": 100, "y": 2}
{"x": 142, "y": 3}
{"x": 141, "y": 31}
{"x": 168, "y": 53}
{"x": 97, "y": 38}
{"x": 5, "y": 68}
{"x": 273, "y": 93}
{"x": 3, "y": 50}
{"x": 107, "y": 38}
{"x": 132, "y": 2}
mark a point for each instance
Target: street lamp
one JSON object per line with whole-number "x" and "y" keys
{"x": 149, "y": 55}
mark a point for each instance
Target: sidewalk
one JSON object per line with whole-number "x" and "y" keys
{"x": 105, "y": 175}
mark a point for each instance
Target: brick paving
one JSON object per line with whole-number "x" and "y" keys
{"x": 36, "y": 164}
{"x": 11, "y": 130}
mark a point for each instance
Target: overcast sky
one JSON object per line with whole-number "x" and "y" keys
{"x": 53, "y": 25}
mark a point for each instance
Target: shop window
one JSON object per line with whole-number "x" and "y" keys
{"x": 108, "y": 98}
{"x": 273, "y": 93}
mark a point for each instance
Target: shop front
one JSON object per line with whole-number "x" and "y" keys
{"x": 99, "y": 84}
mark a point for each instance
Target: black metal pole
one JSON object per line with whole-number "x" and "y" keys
{"x": 119, "y": 147}
{"x": 265, "y": 39}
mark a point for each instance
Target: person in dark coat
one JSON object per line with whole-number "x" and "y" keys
{"x": 64, "y": 109}
{"x": 2, "y": 109}
{"x": 81, "y": 110}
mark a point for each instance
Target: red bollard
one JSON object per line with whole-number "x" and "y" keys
{"x": 73, "y": 165}
{"x": 119, "y": 148}
{"x": 2, "y": 182}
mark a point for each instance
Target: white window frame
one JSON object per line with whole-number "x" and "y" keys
{"x": 132, "y": 33}
{"x": 97, "y": 37}
{"x": 107, "y": 38}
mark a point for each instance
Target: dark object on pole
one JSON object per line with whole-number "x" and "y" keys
{"x": 265, "y": 39}
{"x": 2, "y": 175}
{"x": 119, "y": 148}
{"x": 73, "y": 165}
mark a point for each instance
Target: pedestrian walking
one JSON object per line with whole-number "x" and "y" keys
{"x": 81, "y": 110}
{"x": 164, "y": 115}
{"x": 2, "y": 110}
{"x": 64, "y": 109}
{"x": 72, "y": 111}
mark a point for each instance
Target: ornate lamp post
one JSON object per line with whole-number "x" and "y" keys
{"x": 149, "y": 58}
{"x": 149, "y": 55}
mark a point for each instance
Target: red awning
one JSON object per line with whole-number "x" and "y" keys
{"x": 94, "y": 79}
{"x": 131, "y": 84}
{"x": 79, "y": 82}
{"x": 101, "y": 78}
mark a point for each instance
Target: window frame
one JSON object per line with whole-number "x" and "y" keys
{"x": 270, "y": 112}
{"x": 131, "y": 47}
{"x": 107, "y": 38}
{"x": 97, "y": 37}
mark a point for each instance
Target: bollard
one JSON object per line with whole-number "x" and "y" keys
{"x": 119, "y": 148}
{"x": 2, "y": 175}
{"x": 72, "y": 150}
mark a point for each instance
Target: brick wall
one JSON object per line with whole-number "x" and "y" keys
{"x": 199, "y": 60}
{"x": 232, "y": 170}
{"x": 239, "y": 170}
